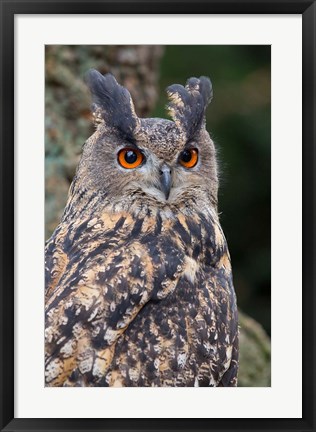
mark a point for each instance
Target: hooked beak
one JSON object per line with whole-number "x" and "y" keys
{"x": 165, "y": 179}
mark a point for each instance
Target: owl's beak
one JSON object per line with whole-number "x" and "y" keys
{"x": 165, "y": 180}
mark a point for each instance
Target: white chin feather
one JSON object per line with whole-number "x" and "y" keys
{"x": 154, "y": 192}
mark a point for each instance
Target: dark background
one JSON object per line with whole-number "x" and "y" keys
{"x": 238, "y": 119}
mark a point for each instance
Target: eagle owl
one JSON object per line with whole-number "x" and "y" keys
{"x": 139, "y": 287}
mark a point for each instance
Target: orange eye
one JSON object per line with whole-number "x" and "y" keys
{"x": 130, "y": 158}
{"x": 188, "y": 158}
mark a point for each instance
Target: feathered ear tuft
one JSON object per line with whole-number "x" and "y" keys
{"x": 112, "y": 104}
{"x": 188, "y": 104}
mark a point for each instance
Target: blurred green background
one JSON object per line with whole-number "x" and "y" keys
{"x": 238, "y": 119}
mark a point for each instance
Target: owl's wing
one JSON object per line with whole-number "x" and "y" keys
{"x": 226, "y": 322}
{"x": 229, "y": 379}
{"x": 98, "y": 295}
{"x": 217, "y": 344}
{"x": 215, "y": 331}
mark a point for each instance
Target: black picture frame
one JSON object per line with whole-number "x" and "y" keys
{"x": 8, "y": 9}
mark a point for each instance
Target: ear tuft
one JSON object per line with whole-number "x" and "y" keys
{"x": 188, "y": 104}
{"x": 112, "y": 103}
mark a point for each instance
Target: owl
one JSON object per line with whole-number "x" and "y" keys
{"x": 139, "y": 288}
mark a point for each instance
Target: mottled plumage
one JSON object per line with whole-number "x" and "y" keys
{"x": 139, "y": 287}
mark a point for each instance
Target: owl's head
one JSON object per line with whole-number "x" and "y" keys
{"x": 162, "y": 163}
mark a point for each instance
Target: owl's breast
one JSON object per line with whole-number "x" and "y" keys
{"x": 139, "y": 301}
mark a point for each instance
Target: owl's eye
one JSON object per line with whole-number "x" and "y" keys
{"x": 130, "y": 158}
{"x": 189, "y": 157}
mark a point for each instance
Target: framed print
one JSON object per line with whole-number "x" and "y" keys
{"x": 260, "y": 57}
